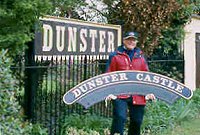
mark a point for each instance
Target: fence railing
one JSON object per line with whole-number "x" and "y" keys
{"x": 53, "y": 78}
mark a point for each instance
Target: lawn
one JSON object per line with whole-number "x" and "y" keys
{"x": 189, "y": 127}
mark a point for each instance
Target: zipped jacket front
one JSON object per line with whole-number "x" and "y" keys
{"x": 120, "y": 60}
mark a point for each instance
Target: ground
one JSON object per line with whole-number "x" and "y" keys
{"x": 190, "y": 127}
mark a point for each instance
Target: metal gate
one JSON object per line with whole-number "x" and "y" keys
{"x": 47, "y": 81}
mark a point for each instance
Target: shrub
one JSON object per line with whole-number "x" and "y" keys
{"x": 85, "y": 125}
{"x": 11, "y": 116}
{"x": 158, "y": 118}
{"x": 161, "y": 116}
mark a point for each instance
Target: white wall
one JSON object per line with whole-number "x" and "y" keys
{"x": 190, "y": 51}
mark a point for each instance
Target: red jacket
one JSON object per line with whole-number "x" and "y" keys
{"x": 120, "y": 60}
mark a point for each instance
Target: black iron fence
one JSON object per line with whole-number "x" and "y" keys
{"x": 46, "y": 81}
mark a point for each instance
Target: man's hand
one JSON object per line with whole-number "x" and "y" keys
{"x": 150, "y": 97}
{"x": 109, "y": 97}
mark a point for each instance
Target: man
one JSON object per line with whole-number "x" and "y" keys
{"x": 128, "y": 57}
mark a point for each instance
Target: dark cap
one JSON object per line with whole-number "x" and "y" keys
{"x": 131, "y": 34}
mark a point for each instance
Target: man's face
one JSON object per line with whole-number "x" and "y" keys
{"x": 130, "y": 43}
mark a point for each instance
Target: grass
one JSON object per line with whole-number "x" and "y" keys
{"x": 189, "y": 127}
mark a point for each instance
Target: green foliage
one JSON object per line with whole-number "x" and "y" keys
{"x": 160, "y": 23}
{"x": 160, "y": 116}
{"x": 172, "y": 36}
{"x": 17, "y": 19}
{"x": 169, "y": 44}
{"x": 85, "y": 124}
{"x": 173, "y": 69}
{"x": 12, "y": 121}
{"x": 196, "y": 6}
{"x": 196, "y": 102}
{"x": 149, "y": 18}
{"x": 75, "y": 131}
{"x": 169, "y": 49}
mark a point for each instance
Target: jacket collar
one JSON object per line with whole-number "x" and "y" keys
{"x": 137, "y": 52}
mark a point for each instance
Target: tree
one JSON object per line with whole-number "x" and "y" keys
{"x": 148, "y": 17}
{"x": 17, "y": 19}
{"x": 67, "y": 8}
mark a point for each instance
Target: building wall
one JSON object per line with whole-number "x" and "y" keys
{"x": 190, "y": 51}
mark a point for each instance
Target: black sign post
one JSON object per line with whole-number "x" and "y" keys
{"x": 96, "y": 89}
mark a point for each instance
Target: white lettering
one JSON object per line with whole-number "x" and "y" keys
{"x": 179, "y": 88}
{"x": 76, "y": 93}
{"x": 72, "y": 32}
{"x": 170, "y": 85}
{"x": 147, "y": 78}
{"x": 91, "y": 84}
{"x": 114, "y": 78}
{"x": 110, "y": 42}
{"x": 163, "y": 81}
{"x": 83, "y": 34}
{"x": 139, "y": 77}
{"x": 60, "y": 30}
{"x": 99, "y": 81}
{"x": 105, "y": 78}
{"x": 93, "y": 35}
{"x": 47, "y": 38}
{"x": 102, "y": 47}
{"x": 83, "y": 88}
{"x": 156, "y": 79}
{"x": 123, "y": 76}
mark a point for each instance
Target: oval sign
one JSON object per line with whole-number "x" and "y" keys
{"x": 96, "y": 89}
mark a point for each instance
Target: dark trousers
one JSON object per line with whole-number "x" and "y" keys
{"x": 136, "y": 112}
